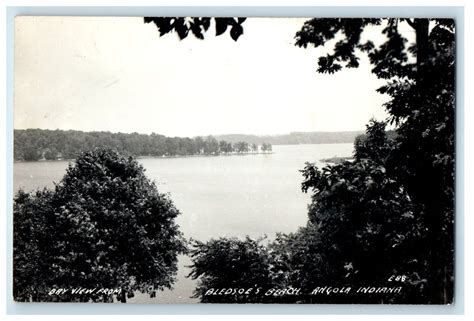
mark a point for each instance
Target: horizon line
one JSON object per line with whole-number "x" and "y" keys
{"x": 189, "y": 136}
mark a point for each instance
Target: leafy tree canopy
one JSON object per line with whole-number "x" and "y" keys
{"x": 105, "y": 225}
{"x": 421, "y": 157}
{"x": 397, "y": 196}
{"x": 197, "y": 26}
{"x": 230, "y": 264}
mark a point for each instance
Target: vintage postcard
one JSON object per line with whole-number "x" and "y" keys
{"x": 234, "y": 160}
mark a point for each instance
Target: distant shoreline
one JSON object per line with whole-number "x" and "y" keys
{"x": 337, "y": 159}
{"x": 329, "y": 160}
{"x": 149, "y": 157}
{"x": 201, "y": 155}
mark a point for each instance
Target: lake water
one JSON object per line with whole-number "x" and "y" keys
{"x": 238, "y": 195}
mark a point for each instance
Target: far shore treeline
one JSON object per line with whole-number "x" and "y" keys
{"x": 296, "y": 138}
{"x": 38, "y": 144}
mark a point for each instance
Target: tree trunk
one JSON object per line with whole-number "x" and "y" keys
{"x": 123, "y": 297}
{"x": 429, "y": 183}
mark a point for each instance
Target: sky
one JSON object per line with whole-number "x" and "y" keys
{"x": 118, "y": 75}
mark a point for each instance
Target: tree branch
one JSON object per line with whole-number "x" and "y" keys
{"x": 411, "y": 23}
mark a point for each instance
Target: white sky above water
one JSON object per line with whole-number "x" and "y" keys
{"x": 117, "y": 74}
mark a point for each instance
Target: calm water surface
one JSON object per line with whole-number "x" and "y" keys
{"x": 217, "y": 196}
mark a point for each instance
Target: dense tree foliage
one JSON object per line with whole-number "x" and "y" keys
{"x": 266, "y": 147}
{"x": 362, "y": 231}
{"x": 420, "y": 160}
{"x": 197, "y": 26}
{"x": 391, "y": 210}
{"x": 105, "y": 225}
{"x": 240, "y": 267}
{"x": 35, "y": 144}
{"x": 388, "y": 212}
{"x": 31, "y": 241}
{"x": 359, "y": 213}
{"x": 295, "y": 138}
{"x": 367, "y": 222}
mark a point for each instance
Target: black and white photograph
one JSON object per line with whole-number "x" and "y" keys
{"x": 244, "y": 160}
